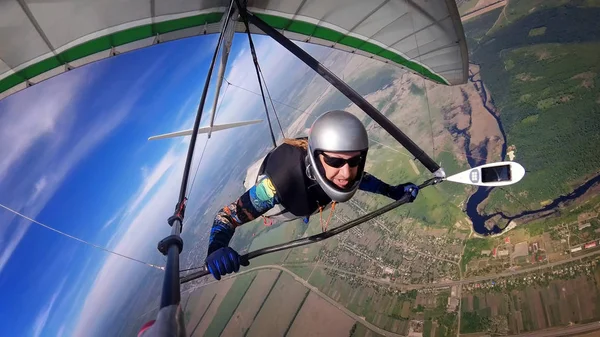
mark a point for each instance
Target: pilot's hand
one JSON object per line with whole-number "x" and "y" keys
{"x": 398, "y": 191}
{"x": 224, "y": 261}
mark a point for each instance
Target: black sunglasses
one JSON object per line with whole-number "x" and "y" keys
{"x": 339, "y": 162}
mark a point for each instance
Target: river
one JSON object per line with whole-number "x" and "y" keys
{"x": 483, "y": 192}
{"x": 564, "y": 24}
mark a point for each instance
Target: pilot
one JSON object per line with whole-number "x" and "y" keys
{"x": 299, "y": 178}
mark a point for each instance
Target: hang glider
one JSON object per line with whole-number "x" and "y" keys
{"x": 206, "y": 129}
{"x": 425, "y": 37}
{"x": 41, "y": 39}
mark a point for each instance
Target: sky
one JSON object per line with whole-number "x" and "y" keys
{"x": 75, "y": 157}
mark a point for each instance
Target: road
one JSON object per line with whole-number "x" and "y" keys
{"x": 442, "y": 284}
{"x": 565, "y": 331}
{"x": 482, "y": 10}
{"x": 559, "y": 332}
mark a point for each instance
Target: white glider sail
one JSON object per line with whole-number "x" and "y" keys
{"x": 225, "y": 49}
{"x": 205, "y": 129}
{"x": 41, "y": 39}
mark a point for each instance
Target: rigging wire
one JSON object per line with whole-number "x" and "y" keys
{"x": 189, "y": 192}
{"x": 306, "y": 112}
{"x": 193, "y": 268}
{"x": 286, "y": 104}
{"x": 270, "y": 99}
{"x": 426, "y": 94}
{"x": 258, "y": 94}
{"x": 430, "y": 121}
{"x": 80, "y": 240}
{"x": 256, "y": 67}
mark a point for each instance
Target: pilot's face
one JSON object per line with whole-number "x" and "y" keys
{"x": 336, "y": 170}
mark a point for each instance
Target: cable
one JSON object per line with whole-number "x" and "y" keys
{"x": 197, "y": 167}
{"x": 305, "y": 112}
{"x": 426, "y": 95}
{"x": 391, "y": 148}
{"x": 430, "y": 122}
{"x": 188, "y": 269}
{"x": 222, "y": 99}
{"x": 256, "y": 67}
{"x": 285, "y": 104}
{"x": 80, "y": 240}
{"x": 270, "y": 99}
{"x": 255, "y": 93}
{"x": 206, "y": 143}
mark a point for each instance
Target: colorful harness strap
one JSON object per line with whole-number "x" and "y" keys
{"x": 324, "y": 227}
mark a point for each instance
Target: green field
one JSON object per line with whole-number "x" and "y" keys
{"x": 276, "y": 234}
{"x": 445, "y": 322}
{"x": 473, "y": 248}
{"x": 302, "y": 271}
{"x": 305, "y": 254}
{"x": 477, "y": 28}
{"x": 473, "y": 322}
{"x": 555, "y": 298}
{"x": 516, "y": 10}
{"x": 368, "y": 83}
{"x": 436, "y": 206}
{"x": 378, "y": 305}
{"x": 544, "y": 81}
{"x": 230, "y": 303}
{"x": 362, "y": 331}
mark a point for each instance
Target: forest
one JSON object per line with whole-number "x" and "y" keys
{"x": 545, "y": 86}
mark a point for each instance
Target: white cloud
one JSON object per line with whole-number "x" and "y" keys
{"x": 39, "y": 186}
{"x": 168, "y": 160}
{"x": 19, "y": 131}
{"x": 61, "y": 330}
{"x": 24, "y": 121}
{"x": 111, "y": 220}
{"x": 143, "y": 220}
{"x": 42, "y": 318}
{"x": 141, "y": 231}
{"x": 13, "y": 240}
{"x": 62, "y": 145}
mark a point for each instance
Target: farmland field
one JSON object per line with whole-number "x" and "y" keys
{"x": 280, "y": 308}
{"x": 204, "y": 307}
{"x": 381, "y": 308}
{"x": 230, "y": 303}
{"x": 317, "y": 317}
{"x": 560, "y": 303}
{"x": 248, "y": 308}
{"x": 198, "y": 303}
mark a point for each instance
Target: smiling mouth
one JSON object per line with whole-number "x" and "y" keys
{"x": 341, "y": 183}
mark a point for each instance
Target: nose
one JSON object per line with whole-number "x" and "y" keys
{"x": 344, "y": 171}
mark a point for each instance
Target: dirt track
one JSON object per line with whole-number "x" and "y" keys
{"x": 482, "y": 10}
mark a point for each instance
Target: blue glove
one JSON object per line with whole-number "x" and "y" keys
{"x": 398, "y": 191}
{"x": 224, "y": 261}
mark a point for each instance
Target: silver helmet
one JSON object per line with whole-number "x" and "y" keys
{"x": 336, "y": 131}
